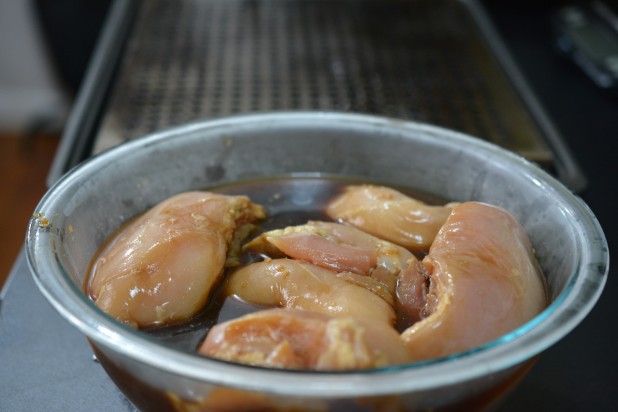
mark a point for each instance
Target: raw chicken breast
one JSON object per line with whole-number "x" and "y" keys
{"x": 390, "y": 215}
{"x": 161, "y": 267}
{"x": 484, "y": 283}
{"x": 300, "y": 285}
{"x": 338, "y": 247}
{"x": 298, "y": 339}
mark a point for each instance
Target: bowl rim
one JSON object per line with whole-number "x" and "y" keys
{"x": 527, "y": 341}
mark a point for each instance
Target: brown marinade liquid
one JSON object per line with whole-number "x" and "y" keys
{"x": 288, "y": 202}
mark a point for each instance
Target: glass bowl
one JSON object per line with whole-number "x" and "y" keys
{"x": 94, "y": 199}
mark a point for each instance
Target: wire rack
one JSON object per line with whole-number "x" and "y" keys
{"x": 421, "y": 60}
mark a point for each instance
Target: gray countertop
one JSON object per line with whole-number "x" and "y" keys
{"x": 45, "y": 363}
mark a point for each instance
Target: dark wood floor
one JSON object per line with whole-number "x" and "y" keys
{"x": 24, "y": 163}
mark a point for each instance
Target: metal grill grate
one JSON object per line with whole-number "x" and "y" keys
{"x": 421, "y": 60}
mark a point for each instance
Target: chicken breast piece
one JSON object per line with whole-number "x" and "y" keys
{"x": 338, "y": 247}
{"x": 390, "y": 215}
{"x": 484, "y": 282}
{"x": 296, "y": 284}
{"x": 161, "y": 268}
{"x": 298, "y": 339}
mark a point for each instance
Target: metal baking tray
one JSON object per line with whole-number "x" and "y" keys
{"x": 433, "y": 61}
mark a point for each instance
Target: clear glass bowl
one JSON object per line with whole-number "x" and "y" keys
{"x": 93, "y": 200}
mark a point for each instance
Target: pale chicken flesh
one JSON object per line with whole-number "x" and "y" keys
{"x": 299, "y": 339}
{"x": 390, "y": 215}
{"x": 338, "y": 247}
{"x": 342, "y": 289}
{"x": 483, "y": 283}
{"x": 162, "y": 267}
{"x": 296, "y": 284}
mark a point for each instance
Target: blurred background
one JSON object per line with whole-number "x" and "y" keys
{"x": 45, "y": 47}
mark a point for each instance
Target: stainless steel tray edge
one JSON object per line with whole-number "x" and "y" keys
{"x": 91, "y": 96}
{"x": 567, "y": 168}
